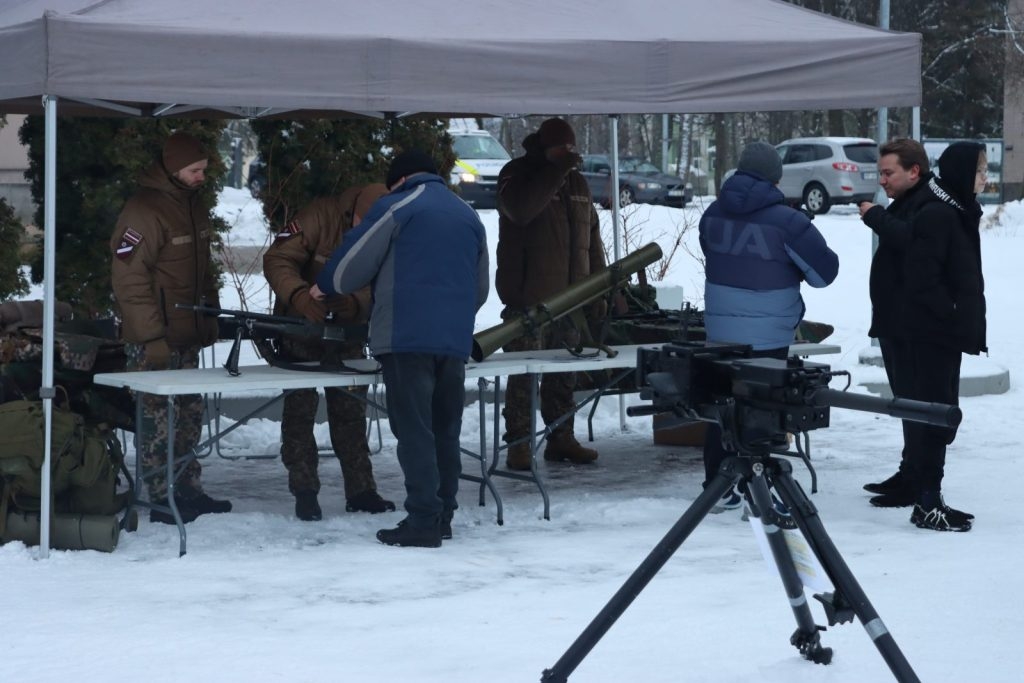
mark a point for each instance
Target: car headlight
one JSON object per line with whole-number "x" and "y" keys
{"x": 649, "y": 186}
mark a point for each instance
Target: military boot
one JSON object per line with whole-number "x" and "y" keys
{"x": 568, "y": 448}
{"x": 518, "y": 457}
{"x": 307, "y": 508}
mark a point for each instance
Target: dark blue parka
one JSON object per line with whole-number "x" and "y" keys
{"x": 757, "y": 251}
{"x": 425, "y": 252}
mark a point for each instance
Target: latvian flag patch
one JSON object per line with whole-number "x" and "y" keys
{"x": 293, "y": 228}
{"x": 129, "y": 240}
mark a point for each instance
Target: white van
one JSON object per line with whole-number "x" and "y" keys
{"x": 478, "y": 160}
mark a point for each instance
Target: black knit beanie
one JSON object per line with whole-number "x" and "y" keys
{"x": 409, "y": 162}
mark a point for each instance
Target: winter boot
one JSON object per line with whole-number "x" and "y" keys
{"x": 307, "y": 508}
{"x": 446, "y": 526}
{"x": 568, "y": 448}
{"x": 406, "y": 535}
{"x": 203, "y": 504}
{"x": 187, "y": 512}
{"x": 519, "y": 457}
{"x": 894, "y": 484}
{"x": 896, "y": 499}
{"x": 368, "y": 501}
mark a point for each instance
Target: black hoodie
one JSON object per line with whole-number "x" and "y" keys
{"x": 945, "y": 289}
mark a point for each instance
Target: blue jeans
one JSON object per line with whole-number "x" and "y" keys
{"x": 425, "y": 396}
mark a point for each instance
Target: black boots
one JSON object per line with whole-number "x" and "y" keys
{"x": 368, "y": 501}
{"x": 189, "y": 508}
{"x": 894, "y": 492}
{"x": 307, "y": 508}
{"x": 408, "y": 536}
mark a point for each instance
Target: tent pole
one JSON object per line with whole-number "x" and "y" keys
{"x": 46, "y": 390}
{"x": 616, "y": 209}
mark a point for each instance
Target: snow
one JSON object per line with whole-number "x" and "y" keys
{"x": 261, "y": 596}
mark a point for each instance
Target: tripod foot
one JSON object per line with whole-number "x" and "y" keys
{"x": 837, "y": 611}
{"x": 809, "y": 645}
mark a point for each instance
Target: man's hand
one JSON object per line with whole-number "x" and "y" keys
{"x": 864, "y": 207}
{"x": 316, "y": 293}
{"x": 312, "y": 308}
{"x": 157, "y": 354}
{"x": 344, "y": 306}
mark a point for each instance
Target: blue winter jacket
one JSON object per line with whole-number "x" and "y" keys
{"x": 756, "y": 251}
{"x": 424, "y": 250}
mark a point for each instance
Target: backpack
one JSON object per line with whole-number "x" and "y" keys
{"x": 84, "y": 462}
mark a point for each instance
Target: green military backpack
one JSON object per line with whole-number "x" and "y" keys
{"x": 84, "y": 462}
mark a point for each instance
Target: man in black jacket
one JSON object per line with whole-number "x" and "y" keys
{"x": 903, "y": 173}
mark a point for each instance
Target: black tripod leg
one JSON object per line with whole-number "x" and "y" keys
{"x": 807, "y": 638}
{"x": 640, "y": 577}
{"x": 850, "y": 592}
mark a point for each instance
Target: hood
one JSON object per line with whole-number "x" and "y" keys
{"x": 745, "y": 193}
{"x": 958, "y": 165}
{"x": 156, "y": 178}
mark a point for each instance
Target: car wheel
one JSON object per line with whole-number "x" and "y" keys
{"x": 816, "y": 199}
{"x": 626, "y": 196}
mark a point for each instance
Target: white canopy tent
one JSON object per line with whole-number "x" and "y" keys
{"x": 261, "y": 58}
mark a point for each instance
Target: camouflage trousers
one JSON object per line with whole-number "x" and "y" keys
{"x": 188, "y": 423}
{"x": 555, "y": 388}
{"x": 346, "y": 417}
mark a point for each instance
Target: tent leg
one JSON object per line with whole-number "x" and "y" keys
{"x": 46, "y": 390}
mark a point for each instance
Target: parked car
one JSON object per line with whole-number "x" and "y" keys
{"x": 478, "y": 160}
{"x": 640, "y": 182}
{"x": 820, "y": 172}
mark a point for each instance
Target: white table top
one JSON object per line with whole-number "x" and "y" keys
{"x": 266, "y": 377}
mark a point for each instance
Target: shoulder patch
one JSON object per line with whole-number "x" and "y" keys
{"x": 289, "y": 230}
{"x": 129, "y": 240}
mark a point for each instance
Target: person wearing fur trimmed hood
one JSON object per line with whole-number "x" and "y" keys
{"x": 944, "y": 318}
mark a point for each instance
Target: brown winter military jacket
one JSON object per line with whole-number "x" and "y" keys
{"x": 302, "y": 247}
{"x": 161, "y": 257}
{"x": 549, "y": 235}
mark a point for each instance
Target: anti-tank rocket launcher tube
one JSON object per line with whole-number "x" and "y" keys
{"x": 575, "y": 296}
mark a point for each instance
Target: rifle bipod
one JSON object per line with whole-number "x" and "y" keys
{"x": 759, "y": 471}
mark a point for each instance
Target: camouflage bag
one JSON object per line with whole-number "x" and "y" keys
{"x": 84, "y": 462}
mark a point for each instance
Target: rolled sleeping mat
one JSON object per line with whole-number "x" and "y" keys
{"x": 69, "y": 531}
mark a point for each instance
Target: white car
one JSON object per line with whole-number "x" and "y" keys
{"x": 820, "y": 172}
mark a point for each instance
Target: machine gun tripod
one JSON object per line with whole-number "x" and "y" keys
{"x": 755, "y": 401}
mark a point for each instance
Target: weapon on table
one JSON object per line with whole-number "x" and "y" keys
{"x": 239, "y": 325}
{"x": 573, "y": 297}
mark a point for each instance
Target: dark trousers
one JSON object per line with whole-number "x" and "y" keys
{"x": 933, "y": 375}
{"x": 425, "y": 397}
{"x": 899, "y": 372}
{"x": 714, "y": 451}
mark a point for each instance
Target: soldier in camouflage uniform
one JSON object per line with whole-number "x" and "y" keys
{"x": 549, "y": 238}
{"x": 160, "y": 253}
{"x": 291, "y": 266}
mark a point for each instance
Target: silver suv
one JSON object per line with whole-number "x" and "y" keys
{"x": 820, "y": 172}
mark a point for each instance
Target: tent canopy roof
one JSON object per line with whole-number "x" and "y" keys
{"x": 265, "y": 57}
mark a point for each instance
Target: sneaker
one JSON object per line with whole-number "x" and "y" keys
{"x": 406, "y": 536}
{"x": 899, "y": 499}
{"x": 941, "y": 518}
{"x": 730, "y": 500}
{"x": 307, "y": 508}
{"x": 894, "y": 484}
{"x": 368, "y": 501}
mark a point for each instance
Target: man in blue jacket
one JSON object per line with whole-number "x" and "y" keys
{"x": 757, "y": 251}
{"x": 424, "y": 251}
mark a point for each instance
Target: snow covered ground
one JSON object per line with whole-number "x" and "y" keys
{"x": 261, "y": 596}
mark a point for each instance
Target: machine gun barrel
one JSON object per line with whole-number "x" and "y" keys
{"x": 939, "y": 414}
{"x": 574, "y": 296}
